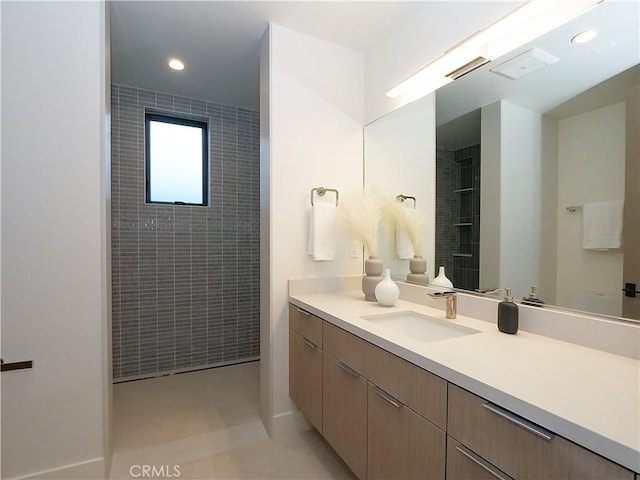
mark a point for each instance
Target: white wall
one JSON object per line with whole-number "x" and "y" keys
{"x": 315, "y": 104}
{"x": 520, "y": 165}
{"x": 510, "y": 198}
{"x": 400, "y": 159}
{"x": 266, "y": 332}
{"x": 490, "y": 197}
{"x": 420, "y": 40}
{"x": 549, "y": 211}
{"x": 591, "y": 163}
{"x": 53, "y": 231}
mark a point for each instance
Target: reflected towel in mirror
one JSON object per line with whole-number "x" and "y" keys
{"x": 602, "y": 225}
{"x": 404, "y": 247}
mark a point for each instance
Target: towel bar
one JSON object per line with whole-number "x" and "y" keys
{"x": 573, "y": 208}
{"x": 403, "y": 198}
{"x": 321, "y": 191}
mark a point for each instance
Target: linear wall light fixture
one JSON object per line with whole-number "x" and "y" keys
{"x": 528, "y": 22}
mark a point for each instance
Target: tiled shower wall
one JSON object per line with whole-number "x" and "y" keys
{"x": 447, "y": 208}
{"x": 458, "y": 215}
{"x": 185, "y": 279}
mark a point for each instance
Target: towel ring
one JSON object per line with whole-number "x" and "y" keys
{"x": 321, "y": 191}
{"x": 403, "y": 198}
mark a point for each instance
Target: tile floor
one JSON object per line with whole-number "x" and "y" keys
{"x": 205, "y": 425}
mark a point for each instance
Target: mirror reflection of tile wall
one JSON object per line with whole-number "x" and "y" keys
{"x": 458, "y": 215}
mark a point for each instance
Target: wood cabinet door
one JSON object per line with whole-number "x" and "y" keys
{"x": 427, "y": 449}
{"x": 388, "y": 436}
{"x": 401, "y": 444}
{"x": 463, "y": 464}
{"x": 344, "y": 416}
{"x": 305, "y": 377}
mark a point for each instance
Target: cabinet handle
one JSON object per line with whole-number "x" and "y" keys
{"x": 393, "y": 401}
{"x": 309, "y": 343}
{"x": 521, "y": 422}
{"x": 7, "y": 367}
{"x": 303, "y": 312}
{"x": 482, "y": 463}
{"x": 348, "y": 369}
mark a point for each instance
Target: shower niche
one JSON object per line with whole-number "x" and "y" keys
{"x": 458, "y": 200}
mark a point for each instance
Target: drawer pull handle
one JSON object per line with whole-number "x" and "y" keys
{"x": 348, "y": 369}
{"x": 7, "y": 367}
{"x": 482, "y": 463}
{"x": 309, "y": 343}
{"x": 303, "y": 312}
{"x": 393, "y": 401}
{"x": 521, "y": 422}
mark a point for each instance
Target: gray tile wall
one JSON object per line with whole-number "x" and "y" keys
{"x": 447, "y": 207}
{"x": 456, "y": 170}
{"x": 185, "y": 278}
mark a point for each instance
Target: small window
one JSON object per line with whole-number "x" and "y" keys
{"x": 176, "y": 160}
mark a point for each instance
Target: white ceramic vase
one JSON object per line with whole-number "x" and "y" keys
{"x": 441, "y": 280}
{"x": 387, "y": 292}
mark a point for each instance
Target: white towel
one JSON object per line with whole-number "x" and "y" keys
{"x": 322, "y": 238}
{"x": 602, "y": 225}
{"x": 404, "y": 247}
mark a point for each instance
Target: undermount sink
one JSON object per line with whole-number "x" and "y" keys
{"x": 418, "y": 326}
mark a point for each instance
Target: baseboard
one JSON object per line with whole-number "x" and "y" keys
{"x": 176, "y": 371}
{"x": 290, "y": 422}
{"x": 89, "y": 470}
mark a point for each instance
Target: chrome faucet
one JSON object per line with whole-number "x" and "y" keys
{"x": 451, "y": 300}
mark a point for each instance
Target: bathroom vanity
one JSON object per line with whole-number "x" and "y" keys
{"x": 473, "y": 403}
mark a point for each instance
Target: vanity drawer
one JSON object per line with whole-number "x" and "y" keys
{"x": 519, "y": 447}
{"x": 346, "y": 347}
{"x": 420, "y": 390}
{"x": 306, "y": 324}
{"x": 423, "y": 392}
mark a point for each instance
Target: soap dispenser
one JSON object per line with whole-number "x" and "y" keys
{"x": 533, "y": 299}
{"x": 508, "y": 314}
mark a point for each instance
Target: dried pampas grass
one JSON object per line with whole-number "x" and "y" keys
{"x": 408, "y": 221}
{"x": 359, "y": 215}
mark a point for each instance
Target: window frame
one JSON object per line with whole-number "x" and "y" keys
{"x": 150, "y": 116}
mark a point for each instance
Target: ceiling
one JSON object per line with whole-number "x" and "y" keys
{"x": 219, "y": 44}
{"x": 219, "y": 40}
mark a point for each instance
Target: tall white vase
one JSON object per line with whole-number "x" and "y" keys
{"x": 441, "y": 280}
{"x": 387, "y": 292}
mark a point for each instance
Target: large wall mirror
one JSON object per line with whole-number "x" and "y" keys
{"x": 503, "y": 167}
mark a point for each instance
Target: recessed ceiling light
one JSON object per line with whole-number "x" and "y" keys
{"x": 176, "y": 64}
{"x": 584, "y": 37}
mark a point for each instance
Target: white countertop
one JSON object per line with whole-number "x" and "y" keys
{"x": 589, "y": 396}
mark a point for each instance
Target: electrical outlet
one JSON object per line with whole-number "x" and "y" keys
{"x": 355, "y": 249}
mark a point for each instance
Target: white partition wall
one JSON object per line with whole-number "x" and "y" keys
{"x": 54, "y": 230}
{"x": 312, "y": 105}
{"x": 510, "y": 192}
